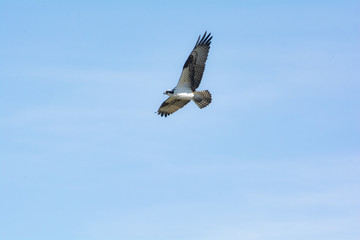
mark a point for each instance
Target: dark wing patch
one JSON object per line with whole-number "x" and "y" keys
{"x": 189, "y": 61}
{"x": 196, "y": 60}
{"x": 171, "y": 105}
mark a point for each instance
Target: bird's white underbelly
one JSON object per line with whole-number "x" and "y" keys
{"x": 187, "y": 96}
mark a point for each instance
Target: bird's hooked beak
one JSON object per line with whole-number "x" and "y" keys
{"x": 164, "y": 93}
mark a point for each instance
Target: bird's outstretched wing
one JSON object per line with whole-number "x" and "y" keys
{"x": 171, "y": 105}
{"x": 195, "y": 64}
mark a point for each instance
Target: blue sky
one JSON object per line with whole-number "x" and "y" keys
{"x": 275, "y": 156}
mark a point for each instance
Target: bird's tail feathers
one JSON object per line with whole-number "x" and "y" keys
{"x": 202, "y": 98}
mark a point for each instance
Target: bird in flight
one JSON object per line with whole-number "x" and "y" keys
{"x": 190, "y": 79}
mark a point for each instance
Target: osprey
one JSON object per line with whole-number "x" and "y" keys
{"x": 190, "y": 79}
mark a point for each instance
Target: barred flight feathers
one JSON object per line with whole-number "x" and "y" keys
{"x": 202, "y": 98}
{"x": 171, "y": 105}
{"x": 189, "y": 81}
{"x": 195, "y": 64}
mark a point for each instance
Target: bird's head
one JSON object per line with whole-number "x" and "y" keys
{"x": 169, "y": 92}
